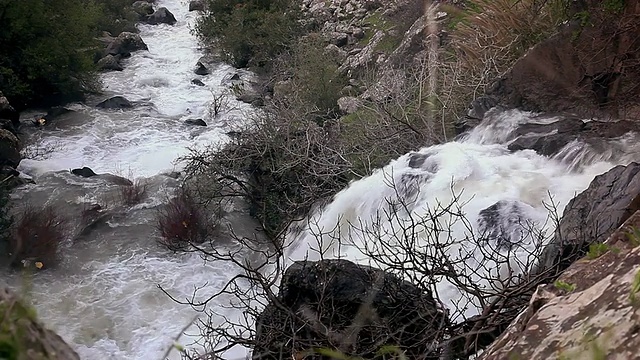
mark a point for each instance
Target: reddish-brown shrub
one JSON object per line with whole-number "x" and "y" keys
{"x": 35, "y": 238}
{"x": 133, "y": 194}
{"x": 182, "y": 221}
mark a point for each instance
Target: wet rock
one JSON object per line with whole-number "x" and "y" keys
{"x": 110, "y": 62}
{"x": 84, "y": 172}
{"x": 12, "y": 178}
{"x": 125, "y": 43}
{"x": 142, "y": 8}
{"x": 56, "y": 112}
{"x": 7, "y": 112}
{"x": 24, "y": 337}
{"x": 250, "y": 96}
{"x": 549, "y": 139}
{"x": 161, "y": 16}
{"x": 595, "y": 213}
{"x": 231, "y": 79}
{"x": 115, "y": 179}
{"x": 197, "y": 82}
{"x": 599, "y": 316}
{"x": 201, "y": 69}
{"x": 116, "y": 102}
{"x": 196, "y": 122}
{"x": 385, "y": 307}
{"x": 197, "y": 5}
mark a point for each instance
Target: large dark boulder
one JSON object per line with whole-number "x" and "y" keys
{"x": 595, "y": 213}
{"x": 161, "y": 16}
{"x": 336, "y": 304}
{"x": 125, "y": 43}
{"x": 116, "y": 102}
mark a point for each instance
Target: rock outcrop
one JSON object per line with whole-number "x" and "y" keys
{"x": 10, "y": 145}
{"x": 355, "y": 309}
{"x": 23, "y": 338}
{"x": 589, "y": 69}
{"x": 589, "y": 313}
{"x": 595, "y": 213}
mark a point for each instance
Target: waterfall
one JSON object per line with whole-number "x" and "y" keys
{"x": 103, "y": 298}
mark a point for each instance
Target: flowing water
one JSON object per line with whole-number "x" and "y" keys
{"x": 104, "y": 298}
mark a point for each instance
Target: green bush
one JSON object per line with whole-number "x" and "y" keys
{"x": 46, "y": 49}
{"x": 249, "y": 33}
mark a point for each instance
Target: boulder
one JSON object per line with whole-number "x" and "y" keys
{"x": 593, "y": 316}
{"x": 116, "y": 102}
{"x": 84, "y": 172}
{"x": 321, "y": 303}
{"x": 594, "y": 214}
{"x": 338, "y": 39}
{"x": 110, "y": 62}
{"x": 125, "y": 43}
{"x": 7, "y": 112}
{"x": 24, "y": 337}
{"x": 201, "y": 69}
{"x": 197, "y": 5}
{"x": 196, "y": 122}
{"x": 9, "y": 149}
{"x": 161, "y": 16}
{"x": 197, "y": 82}
{"x": 142, "y": 8}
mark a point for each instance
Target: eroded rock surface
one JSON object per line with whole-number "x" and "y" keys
{"x": 595, "y": 315}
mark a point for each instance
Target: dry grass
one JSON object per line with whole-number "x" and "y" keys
{"x": 36, "y": 237}
{"x": 486, "y": 39}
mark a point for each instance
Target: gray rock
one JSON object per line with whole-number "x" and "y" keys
{"x": 161, "y": 16}
{"x": 197, "y": 5}
{"x": 110, "y": 62}
{"x": 142, "y": 8}
{"x": 197, "y": 82}
{"x": 338, "y": 38}
{"x": 7, "y": 112}
{"x": 116, "y": 102}
{"x": 595, "y": 213}
{"x": 195, "y": 122}
{"x": 9, "y": 149}
{"x": 201, "y": 69}
{"x": 125, "y": 43}
{"x": 84, "y": 172}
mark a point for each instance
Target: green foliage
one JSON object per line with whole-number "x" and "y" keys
{"x": 564, "y": 286}
{"x": 249, "y": 33}
{"x": 613, "y": 6}
{"x": 634, "y": 236}
{"x": 597, "y": 250}
{"x": 46, "y": 48}
{"x": 635, "y": 288}
{"x": 315, "y": 83}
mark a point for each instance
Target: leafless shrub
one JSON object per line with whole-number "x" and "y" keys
{"x": 182, "y": 221}
{"x": 38, "y": 149}
{"x": 35, "y": 238}
{"x": 134, "y": 193}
